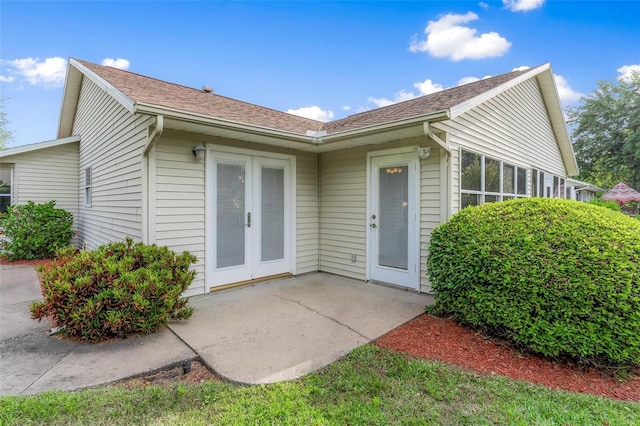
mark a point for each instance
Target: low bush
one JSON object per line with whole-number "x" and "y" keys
{"x": 35, "y": 231}
{"x": 114, "y": 291}
{"x": 611, "y": 205}
{"x": 557, "y": 277}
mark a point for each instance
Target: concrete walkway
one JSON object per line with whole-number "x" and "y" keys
{"x": 264, "y": 333}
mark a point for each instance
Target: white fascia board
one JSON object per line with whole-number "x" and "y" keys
{"x": 465, "y": 106}
{"x": 37, "y": 146}
{"x": 551, "y": 98}
{"x": 69, "y": 104}
{"x": 123, "y": 99}
{"x": 177, "y": 114}
{"x": 389, "y": 125}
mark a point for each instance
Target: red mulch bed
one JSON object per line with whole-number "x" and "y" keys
{"x": 444, "y": 340}
{"x": 34, "y": 263}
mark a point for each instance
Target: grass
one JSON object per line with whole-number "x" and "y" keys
{"x": 371, "y": 386}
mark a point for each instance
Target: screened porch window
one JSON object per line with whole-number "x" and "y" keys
{"x": 485, "y": 180}
{"x": 6, "y": 188}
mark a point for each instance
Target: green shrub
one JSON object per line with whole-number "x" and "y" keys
{"x": 116, "y": 290}
{"x": 611, "y": 205}
{"x": 35, "y": 231}
{"x": 557, "y": 277}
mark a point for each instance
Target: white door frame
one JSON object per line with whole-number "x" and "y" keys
{"x": 411, "y": 278}
{"x": 258, "y": 157}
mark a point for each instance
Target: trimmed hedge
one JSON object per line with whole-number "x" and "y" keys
{"x": 35, "y": 231}
{"x": 117, "y": 290}
{"x": 558, "y": 277}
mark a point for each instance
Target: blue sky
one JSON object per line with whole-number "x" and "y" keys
{"x": 321, "y": 59}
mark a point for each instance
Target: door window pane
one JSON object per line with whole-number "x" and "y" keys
{"x": 393, "y": 222}
{"x": 230, "y": 224}
{"x": 272, "y": 209}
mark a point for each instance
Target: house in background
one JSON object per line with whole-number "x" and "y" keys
{"x": 255, "y": 192}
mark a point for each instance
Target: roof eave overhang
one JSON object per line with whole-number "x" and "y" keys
{"x": 252, "y": 133}
{"x": 37, "y": 146}
{"x": 71, "y": 95}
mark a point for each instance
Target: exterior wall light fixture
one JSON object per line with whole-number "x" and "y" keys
{"x": 199, "y": 151}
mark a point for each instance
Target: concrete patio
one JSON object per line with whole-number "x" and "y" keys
{"x": 263, "y": 333}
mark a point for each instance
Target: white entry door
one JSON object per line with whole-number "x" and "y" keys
{"x": 393, "y": 219}
{"x": 251, "y": 199}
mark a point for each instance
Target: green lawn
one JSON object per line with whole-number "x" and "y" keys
{"x": 371, "y": 386}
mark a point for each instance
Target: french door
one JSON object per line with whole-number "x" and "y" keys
{"x": 393, "y": 219}
{"x": 251, "y": 223}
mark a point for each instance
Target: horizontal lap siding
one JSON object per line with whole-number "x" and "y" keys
{"x": 179, "y": 205}
{"x": 48, "y": 174}
{"x": 431, "y": 204}
{"x": 513, "y": 126}
{"x": 112, "y": 140}
{"x": 343, "y": 210}
{"x": 307, "y": 213}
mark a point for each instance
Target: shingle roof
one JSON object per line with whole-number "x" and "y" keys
{"x": 142, "y": 89}
{"x": 161, "y": 93}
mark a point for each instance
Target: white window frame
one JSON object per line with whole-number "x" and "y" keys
{"x": 87, "y": 184}
{"x": 500, "y": 194}
{"x": 11, "y": 188}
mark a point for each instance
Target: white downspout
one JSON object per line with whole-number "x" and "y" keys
{"x": 153, "y": 138}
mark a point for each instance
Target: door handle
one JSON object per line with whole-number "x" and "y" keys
{"x": 248, "y": 219}
{"x": 373, "y": 225}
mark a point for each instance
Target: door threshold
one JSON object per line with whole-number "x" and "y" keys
{"x": 249, "y": 282}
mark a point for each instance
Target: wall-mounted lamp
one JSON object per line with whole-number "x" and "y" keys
{"x": 424, "y": 153}
{"x": 199, "y": 151}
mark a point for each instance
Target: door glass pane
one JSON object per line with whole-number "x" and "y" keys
{"x": 230, "y": 221}
{"x": 272, "y": 208}
{"x": 393, "y": 222}
{"x": 469, "y": 200}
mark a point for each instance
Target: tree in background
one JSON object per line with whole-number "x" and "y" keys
{"x": 605, "y": 127}
{"x": 6, "y": 135}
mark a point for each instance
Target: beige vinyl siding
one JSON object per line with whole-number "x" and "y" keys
{"x": 177, "y": 205}
{"x": 431, "y": 205}
{"x": 307, "y": 212}
{"x": 513, "y": 126}
{"x": 343, "y": 210}
{"x": 112, "y": 140}
{"x": 178, "y": 218}
{"x": 47, "y": 174}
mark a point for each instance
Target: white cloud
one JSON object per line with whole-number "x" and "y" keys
{"x": 522, "y": 5}
{"x": 521, "y": 68}
{"x": 466, "y": 80}
{"x": 626, "y": 71}
{"x": 346, "y": 108}
{"x": 313, "y": 112}
{"x": 119, "y": 63}
{"x": 446, "y": 37}
{"x": 424, "y": 88}
{"x": 483, "y": 5}
{"x": 50, "y": 72}
{"x": 566, "y": 93}
{"x": 5, "y": 79}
